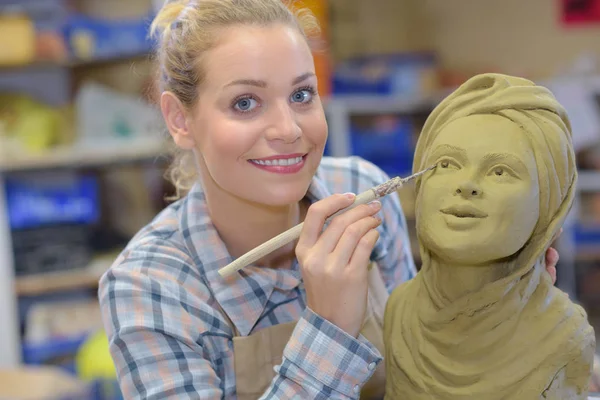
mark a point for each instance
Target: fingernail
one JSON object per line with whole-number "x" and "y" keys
{"x": 375, "y": 204}
{"x": 350, "y": 195}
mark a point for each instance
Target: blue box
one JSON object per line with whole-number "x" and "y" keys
{"x": 387, "y": 142}
{"x": 395, "y": 74}
{"x": 97, "y": 39}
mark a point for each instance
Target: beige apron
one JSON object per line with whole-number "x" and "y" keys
{"x": 256, "y": 355}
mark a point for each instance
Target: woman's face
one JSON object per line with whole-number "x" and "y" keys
{"x": 481, "y": 203}
{"x": 259, "y": 126}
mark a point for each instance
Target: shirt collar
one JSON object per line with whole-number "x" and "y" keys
{"x": 243, "y": 296}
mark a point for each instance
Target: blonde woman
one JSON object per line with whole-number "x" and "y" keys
{"x": 240, "y": 101}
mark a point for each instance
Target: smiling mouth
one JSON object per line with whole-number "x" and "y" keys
{"x": 464, "y": 212}
{"x": 284, "y": 162}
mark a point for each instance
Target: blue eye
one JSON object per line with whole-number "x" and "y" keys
{"x": 245, "y": 104}
{"x": 302, "y": 96}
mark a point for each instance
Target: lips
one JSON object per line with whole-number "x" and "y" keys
{"x": 464, "y": 211}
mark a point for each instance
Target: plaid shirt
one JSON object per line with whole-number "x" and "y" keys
{"x": 169, "y": 338}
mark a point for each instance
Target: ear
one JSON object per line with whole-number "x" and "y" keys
{"x": 176, "y": 118}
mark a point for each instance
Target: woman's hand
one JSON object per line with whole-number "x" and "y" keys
{"x": 334, "y": 261}
{"x": 552, "y": 259}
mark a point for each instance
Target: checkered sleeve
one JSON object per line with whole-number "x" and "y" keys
{"x": 321, "y": 361}
{"x": 157, "y": 324}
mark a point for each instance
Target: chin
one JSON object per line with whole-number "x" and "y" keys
{"x": 459, "y": 248}
{"x": 282, "y": 195}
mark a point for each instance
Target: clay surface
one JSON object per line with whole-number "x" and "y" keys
{"x": 482, "y": 319}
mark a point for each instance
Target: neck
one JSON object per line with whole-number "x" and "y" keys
{"x": 453, "y": 281}
{"x": 244, "y": 225}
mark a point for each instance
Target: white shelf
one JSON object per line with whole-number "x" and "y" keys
{"x": 88, "y": 277}
{"x": 383, "y": 104}
{"x": 84, "y": 156}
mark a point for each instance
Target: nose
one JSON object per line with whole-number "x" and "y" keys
{"x": 284, "y": 125}
{"x": 468, "y": 189}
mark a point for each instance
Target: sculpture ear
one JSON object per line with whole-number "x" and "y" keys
{"x": 177, "y": 119}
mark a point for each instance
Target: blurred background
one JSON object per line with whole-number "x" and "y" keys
{"x": 83, "y": 149}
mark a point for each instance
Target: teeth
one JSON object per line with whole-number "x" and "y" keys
{"x": 282, "y": 162}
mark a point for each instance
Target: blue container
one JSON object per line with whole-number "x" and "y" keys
{"x": 94, "y": 38}
{"x": 587, "y": 235}
{"x": 51, "y": 199}
{"x": 388, "y": 143}
{"x": 396, "y": 74}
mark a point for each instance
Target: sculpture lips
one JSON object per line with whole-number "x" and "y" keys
{"x": 464, "y": 211}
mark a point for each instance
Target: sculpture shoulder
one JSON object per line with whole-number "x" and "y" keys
{"x": 399, "y": 295}
{"x": 572, "y": 380}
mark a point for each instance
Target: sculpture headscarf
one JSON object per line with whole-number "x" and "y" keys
{"x": 510, "y": 315}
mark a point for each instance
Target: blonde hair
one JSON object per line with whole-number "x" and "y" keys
{"x": 186, "y": 29}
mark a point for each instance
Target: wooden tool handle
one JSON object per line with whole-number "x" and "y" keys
{"x": 258, "y": 252}
{"x": 286, "y": 237}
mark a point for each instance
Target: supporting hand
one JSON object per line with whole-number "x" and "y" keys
{"x": 552, "y": 259}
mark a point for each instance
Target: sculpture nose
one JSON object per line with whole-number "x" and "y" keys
{"x": 468, "y": 189}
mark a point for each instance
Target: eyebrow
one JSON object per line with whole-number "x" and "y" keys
{"x": 263, "y": 84}
{"x": 449, "y": 148}
{"x": 506, "y": 156}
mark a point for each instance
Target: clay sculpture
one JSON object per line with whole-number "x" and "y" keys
{"x": 482, "y": 318}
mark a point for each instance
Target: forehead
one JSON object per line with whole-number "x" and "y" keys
{"x": 489, "y": 133}
{"x": 271, "y": 53}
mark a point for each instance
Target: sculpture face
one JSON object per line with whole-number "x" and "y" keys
{"x": 481, "y": 203}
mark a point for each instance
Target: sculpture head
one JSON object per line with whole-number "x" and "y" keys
{"x": 506, "y": 172}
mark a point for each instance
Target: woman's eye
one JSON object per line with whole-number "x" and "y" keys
{"x": 245, "y": 104}
{"x": 302, "y": 96}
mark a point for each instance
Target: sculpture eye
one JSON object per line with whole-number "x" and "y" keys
{"x": 444, "y": 164}
{"x": 499, "y": 171}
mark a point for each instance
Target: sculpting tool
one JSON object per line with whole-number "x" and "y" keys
{"x": 291, "y": 234}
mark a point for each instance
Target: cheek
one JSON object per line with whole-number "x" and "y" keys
{"x": 428, "y": 200}
{"x": 314, "y": 128}
{"x": 518, "y": 207}
{"x": 226, "y": 139}
{"x": 436, "y": 187}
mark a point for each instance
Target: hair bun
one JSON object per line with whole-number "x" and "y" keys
{"x": 166, "y": 17}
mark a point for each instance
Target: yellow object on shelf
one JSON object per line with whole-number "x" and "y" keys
{"x": 35, "y": 126}
{"x": 93, "y": 360}
{"x": 17, "y": 39}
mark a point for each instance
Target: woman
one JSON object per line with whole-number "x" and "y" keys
{"x": 239, "y": 99}
{"x": 481, "y": 320}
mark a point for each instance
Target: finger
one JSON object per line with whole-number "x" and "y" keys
{"x": 352, "y": 236}
{"x": 362, "y": 253}
{"x": 317, "y": 214}
{"x": 552, "y": 257}
{"x": 552, "y": 272}
{"x": 339, "y": 224}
